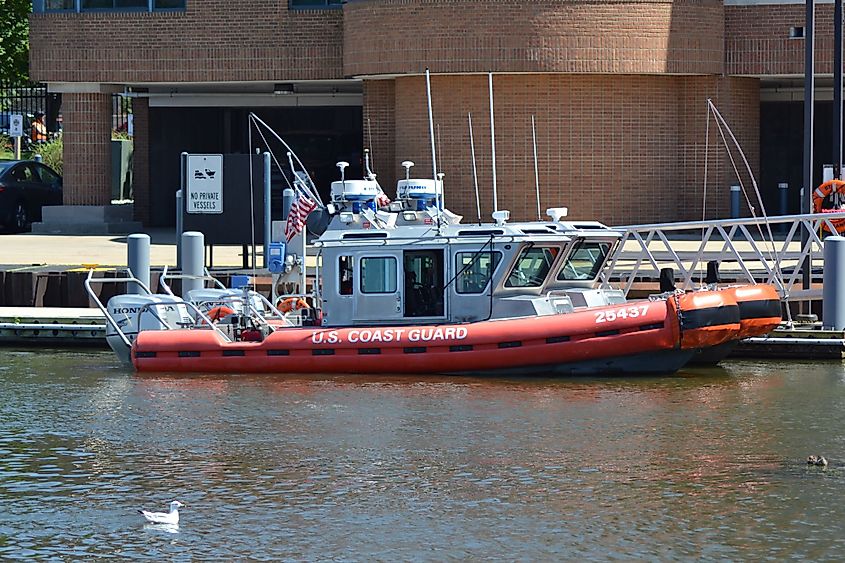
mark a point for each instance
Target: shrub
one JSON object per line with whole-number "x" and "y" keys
{"x": 6, "y": 147}
{"x": 51, "y": 153}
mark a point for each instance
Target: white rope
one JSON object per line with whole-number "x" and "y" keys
{"x": 310, "y": 187}
{"x": 252, "y": 211}
{"x": 771, "y": 240}
{"x": 272, "y": 154}
{"x": 706, "y": 164}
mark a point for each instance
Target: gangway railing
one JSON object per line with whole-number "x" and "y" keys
{"x": 741, "y": 247}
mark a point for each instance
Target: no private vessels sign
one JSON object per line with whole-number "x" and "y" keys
{"x": 205, "y": 183}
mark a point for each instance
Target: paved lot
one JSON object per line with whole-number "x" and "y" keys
{"x": 75, "y": 250}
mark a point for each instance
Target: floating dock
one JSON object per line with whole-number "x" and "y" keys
{"x": 807, "y": 342}
{"x": 52, "y": 326}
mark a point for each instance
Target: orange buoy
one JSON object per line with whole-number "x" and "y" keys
{"x": 820, "y": 195}
{"x": 292, "y": 304}
{"x": 218, "y": 313}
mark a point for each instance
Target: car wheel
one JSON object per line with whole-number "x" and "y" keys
{"x": 20, "y": 218}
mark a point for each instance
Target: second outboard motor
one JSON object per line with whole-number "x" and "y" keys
{"x": 134, "y": 313}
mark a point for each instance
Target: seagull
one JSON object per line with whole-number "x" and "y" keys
{"x": 171, "y": 517}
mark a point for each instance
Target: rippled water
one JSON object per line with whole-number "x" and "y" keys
{"x": 706, "y": 465}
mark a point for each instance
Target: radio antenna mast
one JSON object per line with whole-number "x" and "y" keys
{"x": 431, "y": 134}
{"x": 474, "y": 169}
{"x": 536, "y": 173}
{"x": 493, "y": 140}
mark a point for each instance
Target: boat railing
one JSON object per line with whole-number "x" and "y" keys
{"x": 560, "y": 300}
{"x": 165, "y": 275}
{"x": 743, "y": 249}
{"x": 149, "y": 307}
{"x": 236, "y": 300}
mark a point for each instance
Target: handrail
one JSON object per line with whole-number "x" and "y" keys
{"x": 110, "y": 320}
{"x": 206, "y": 277}
{"x": 732, "y": 243}
{"x": 103, "y": 308}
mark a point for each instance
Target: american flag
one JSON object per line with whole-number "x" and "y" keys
{"x": 299, "y": 211}
{"x": 381, "y": 199}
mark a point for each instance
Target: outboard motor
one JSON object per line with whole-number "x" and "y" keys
{"x": 207, "y": 299}
{"x": 134, "y": 313}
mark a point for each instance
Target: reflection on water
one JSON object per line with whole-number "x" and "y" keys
{"x": 708, "y": 464}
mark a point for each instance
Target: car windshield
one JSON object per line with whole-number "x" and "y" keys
{"x": 5, "y": 166}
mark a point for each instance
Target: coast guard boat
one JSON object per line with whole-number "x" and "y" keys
{"x": 405, "y": 287}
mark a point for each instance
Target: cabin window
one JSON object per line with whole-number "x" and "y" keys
{"x": 345, "y": 269}
{"x": 532, "y": 266}
{"x": 475, "y": 270}
{"x": 585, "y": 262}
{"x": 378, "y": 275}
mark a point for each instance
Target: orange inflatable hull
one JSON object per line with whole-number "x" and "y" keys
{"x": 759, "y": 309}
{"x": 640, "y": 336}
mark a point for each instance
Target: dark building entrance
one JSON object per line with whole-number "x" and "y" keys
{"x": 782, "y": 150}
{"x": 321, "y": 136}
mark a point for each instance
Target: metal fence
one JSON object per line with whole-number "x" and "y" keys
{"x": 29, "y": 99}
{"x": 742, "y": 248}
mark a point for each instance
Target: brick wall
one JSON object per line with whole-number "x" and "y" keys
{"x": 141, "y": 159}
{"x": 213, "y": 40}
{"x": 87, "y": 149}
{"x": 380, "y": 130}
{"x": 633, "y": 36}
{"x": 757, "y": 39}
{"x": 621, "y": 149}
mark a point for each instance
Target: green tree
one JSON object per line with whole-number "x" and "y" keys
{"x": 14, "y": 39}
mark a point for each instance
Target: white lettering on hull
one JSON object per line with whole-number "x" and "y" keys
{"x": 390, "y": 335}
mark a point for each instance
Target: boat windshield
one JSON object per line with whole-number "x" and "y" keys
{"x": 475, "y": 270}
{"x": 585, "y": 262}
{"x": 532, "y": 266}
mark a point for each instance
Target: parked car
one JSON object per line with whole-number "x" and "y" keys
{"x": 25, "y": 187}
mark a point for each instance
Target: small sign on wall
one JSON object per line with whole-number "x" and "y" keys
{"x": 205, "y": 184}
{"x": 16, "y": 125}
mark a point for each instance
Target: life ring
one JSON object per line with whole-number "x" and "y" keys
{"x": 292, "y": 304}
{"x": 820, "y": 194}
{"x": 218, "y": 313}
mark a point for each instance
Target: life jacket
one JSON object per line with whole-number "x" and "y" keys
{"x": 39, "y": 132}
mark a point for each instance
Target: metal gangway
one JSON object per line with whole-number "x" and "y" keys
{"x": 742, "y": 248}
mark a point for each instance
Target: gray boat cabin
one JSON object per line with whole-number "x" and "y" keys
{"x": 417, "y": 266}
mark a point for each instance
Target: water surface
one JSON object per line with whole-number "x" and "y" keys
{"x": 708, "y": 464}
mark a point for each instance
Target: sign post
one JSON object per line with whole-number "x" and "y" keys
{"x": 16, "y": 132}
{"x": 205, "y": 184}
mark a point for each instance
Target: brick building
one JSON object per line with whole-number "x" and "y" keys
{"x": 618, "y": 91}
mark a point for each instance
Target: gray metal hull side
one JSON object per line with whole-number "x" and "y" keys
{"x": 647, "y": 363}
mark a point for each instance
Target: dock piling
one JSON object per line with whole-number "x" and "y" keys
{"x": 833, "y": 287}
{"x": 138, "y": 260}
{"x": 193, "y": 255}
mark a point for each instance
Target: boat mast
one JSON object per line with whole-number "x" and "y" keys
{"x": 493, "y": 140}
{"x": 536, "y": 173}
{"x": 433, "y": 149}
{"x": 474, "y": 169}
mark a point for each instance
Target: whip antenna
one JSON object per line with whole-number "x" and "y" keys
{"x": 536, "y": 173}
{"x": 493, "y": 140}
{"x": 474, "y": 169}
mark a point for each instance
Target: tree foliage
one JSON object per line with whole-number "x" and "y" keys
{"x": 14, "y": 40}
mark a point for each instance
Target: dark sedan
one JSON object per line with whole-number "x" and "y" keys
{"x": 25, "y": 187}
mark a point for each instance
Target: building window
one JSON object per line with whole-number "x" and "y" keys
{"x": 59, "y": 5}
{"x": 315, "y": 3}
{"x": 96, "y": 5}
{"x": 114, "y": 4}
